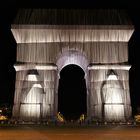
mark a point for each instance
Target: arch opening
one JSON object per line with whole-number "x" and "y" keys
{"x": 72, "y": 96}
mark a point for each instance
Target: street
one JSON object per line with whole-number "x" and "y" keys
{"x": 70, "y": 133}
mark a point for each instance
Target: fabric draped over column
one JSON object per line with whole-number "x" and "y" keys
{"x": 110, "y": 98}
{"x": 34, "y": 99}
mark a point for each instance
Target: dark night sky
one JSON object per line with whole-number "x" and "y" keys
{"x": 8, "y": 45}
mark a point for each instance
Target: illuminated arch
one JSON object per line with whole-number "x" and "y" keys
{"x": 72, "y": 57}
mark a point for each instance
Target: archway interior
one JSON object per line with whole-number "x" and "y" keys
{"x": 72, "y": 92}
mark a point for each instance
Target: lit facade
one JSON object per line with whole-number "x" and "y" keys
{"x": 45, "y": 45}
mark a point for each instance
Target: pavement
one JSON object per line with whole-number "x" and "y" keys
{"x": 41, "y": 132}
